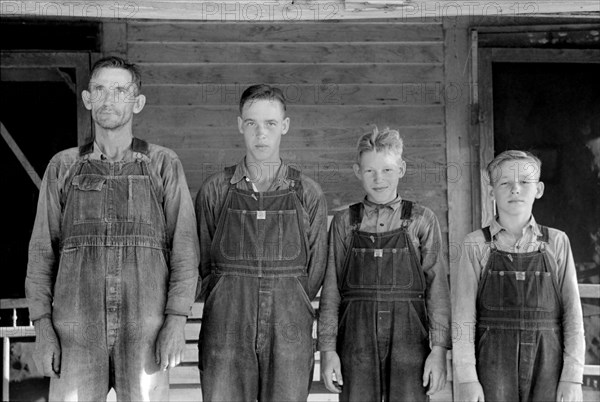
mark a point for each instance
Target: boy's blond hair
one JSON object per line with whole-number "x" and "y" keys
{"x": 512, "y": 155}
{"x": 380, "y": 141}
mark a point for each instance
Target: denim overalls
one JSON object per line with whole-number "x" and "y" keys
{"x": 519, "y": 333}
{"x": 383, "y": 340}
{"x": 256, "y": 337}
{"x": 110, "y": 290}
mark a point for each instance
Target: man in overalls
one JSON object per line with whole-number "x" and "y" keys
{"x": 515, "y": 299}
{"x": 262, "y": 227}
{"x": 113, "y": 256}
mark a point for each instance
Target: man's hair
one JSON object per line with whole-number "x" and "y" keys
{"x": 380, "y": 141}
{"x": 512, "y": 155}
{"x": 262, "y": 92}
{"x": 117, "y": 62}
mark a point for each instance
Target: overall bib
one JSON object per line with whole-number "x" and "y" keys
{"x": 110, "y": 289}
{"x": 383, "y": 340}
{"x": 256, "y": 337}
{"x": 519, "y": 334}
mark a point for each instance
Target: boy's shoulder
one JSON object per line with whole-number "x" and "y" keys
{"x": 476, "y": 236}
{"x": 555, "y": 235}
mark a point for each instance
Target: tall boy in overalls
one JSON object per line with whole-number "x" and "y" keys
{"x": 516, "y": 287}
{"x": 386, "y": 288}
{"x": 262, "y": 228}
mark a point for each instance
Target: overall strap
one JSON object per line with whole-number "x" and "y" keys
{"x": 86, "y": 149}
{"x": 487, "y": 234}
{"x": 544, "y": 238}
{"x": 138, "y": 145}
{"x": 356, "y": 215}
{"x": 293, "y": 175}
{"x": 229, "y": 171}
{"x": 406, "y": 216}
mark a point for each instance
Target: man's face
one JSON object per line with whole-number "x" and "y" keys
{"x": 516, "y": 186}
{"x": 379, "y": 173}
{"x": 112, "y": 98}
{"x": 262, "y": 123}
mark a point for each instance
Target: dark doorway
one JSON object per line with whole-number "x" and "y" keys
{"x": 41, "y": 119}
{"x": 553, "y": 110}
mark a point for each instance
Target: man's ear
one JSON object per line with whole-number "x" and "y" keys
{"x": 140, "y": 102}
{"x": 356, "y": 168}
{"x": 86, "y": 96}
{"x": 286, "y": 125}
{"x": 540, "y": 189}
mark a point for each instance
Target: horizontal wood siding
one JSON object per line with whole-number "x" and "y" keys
{"x": 340, "y": 80}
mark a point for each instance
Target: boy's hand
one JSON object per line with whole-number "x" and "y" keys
{"x": 434, "y": 374}
{"x": 471, "y": 392}
{"x": 330, "y": 365}
{"x": 47, "y": 354}
{"x": 569, "y": 392}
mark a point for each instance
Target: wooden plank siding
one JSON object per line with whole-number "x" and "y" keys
{"x": 340, "y": 79}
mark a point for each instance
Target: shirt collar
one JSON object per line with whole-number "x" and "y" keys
{"x": 496, "y": 227}
{"x": 370, "y": 206}
{"x": 93, "y": 150}
{"x": 242, "y": 173}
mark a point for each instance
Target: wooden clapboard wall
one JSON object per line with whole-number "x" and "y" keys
{"x": 340, "y": 79}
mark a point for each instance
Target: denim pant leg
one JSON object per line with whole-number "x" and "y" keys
{"x": 548, "y": 366}
{"x": 497, "y": 363}
{"x": 84, "y": 374}
{"x": 285, "y": 345}
{"x": 227, "y": 355}
{"x": 409, "y": 350}
{"x": 136, "y": 375}
{"x": 359, "y": 353}
{"x": 139, "y": 319}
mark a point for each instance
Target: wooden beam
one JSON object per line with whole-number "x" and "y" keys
{"x": 285, "y": 10}
{"x": 20, "y": 156}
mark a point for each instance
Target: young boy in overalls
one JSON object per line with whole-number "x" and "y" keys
{"x": 385, "y": 289}
{"x": 516, "y": 291}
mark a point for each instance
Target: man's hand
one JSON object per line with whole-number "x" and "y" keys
{"x": 471, "y": 392}
{"x": 434, "y": 374}
{"x": 47, "y": 348}
{"x": 170, "y": 342}
{"x": 330, "y": 365}
{"x": 569, "y": 392}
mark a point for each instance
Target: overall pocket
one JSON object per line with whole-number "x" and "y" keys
{"x": 88, "y": 198}
{"x": 261, "y": 236}
{"x": 139, "y": 199}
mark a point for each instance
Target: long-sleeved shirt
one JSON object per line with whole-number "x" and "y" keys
{"x": 424, "y": 233}
{"x": 475, "y": 254}
{"x": 174, "y": 197}
{"x": 211, "y": 198}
